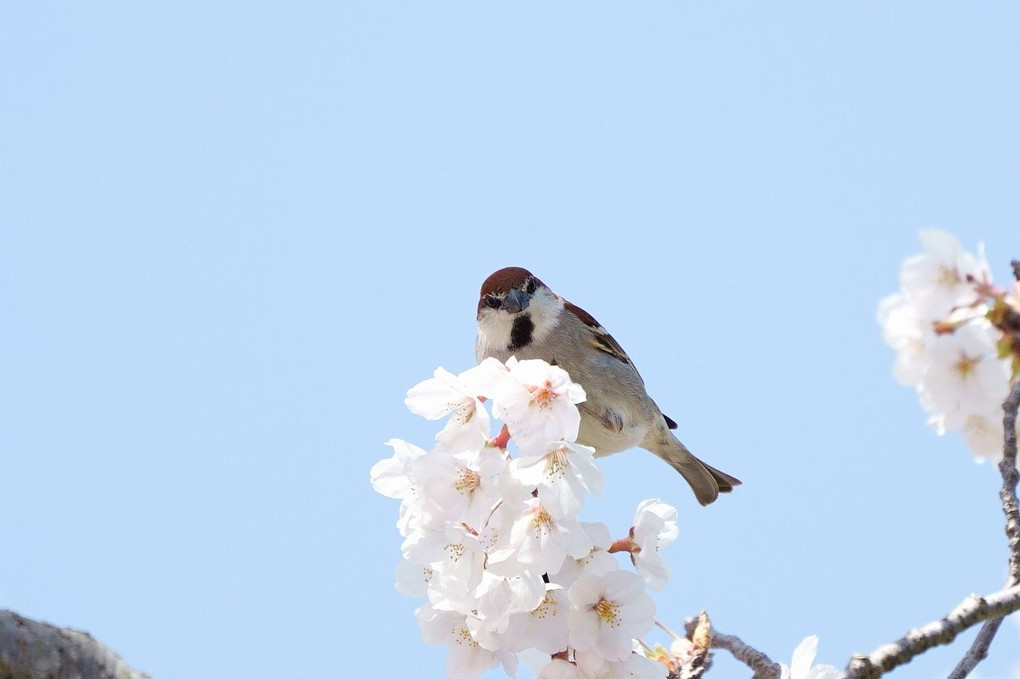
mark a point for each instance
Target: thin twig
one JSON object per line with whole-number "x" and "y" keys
{"x": 978, "y": 650}
{"x": 661, "y": 625}
{"x": 764, "y": 667}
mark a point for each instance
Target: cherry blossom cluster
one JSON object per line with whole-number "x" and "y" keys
{"x": 493, "y": 541}
{"x": 951, "y": 329}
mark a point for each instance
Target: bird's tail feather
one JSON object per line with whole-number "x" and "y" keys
{"x": 706, "y": 481}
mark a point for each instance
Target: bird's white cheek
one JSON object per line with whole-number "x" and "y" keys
{"x": 494, "y": 332}
{"x": 546, "y": 313}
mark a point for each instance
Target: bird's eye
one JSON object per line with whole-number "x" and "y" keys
{"x": 492, "y": 301}
{"x": 529, "y": 286}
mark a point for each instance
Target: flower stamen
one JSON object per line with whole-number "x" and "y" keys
{"x": 608, "y": 612}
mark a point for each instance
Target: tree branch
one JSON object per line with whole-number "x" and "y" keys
{"x": 764, "y": 667}
{"x": 30, "y": 649}
{"x": 1010, "y": 477}
{"x": 971, "y": 611}
{"x": 1011, "y": 508}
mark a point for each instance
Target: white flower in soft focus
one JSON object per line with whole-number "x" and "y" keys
{"x": 935, "y": 282}
{"x": 448, "y": 394}
{"x": 965, "y": 375}
{"x": 459, "y": 488}
{"x": 413, "y": 578}
{"x": 654, "y": 527}
{"x": 467, "y": 658}
{"x": 984, "y": 436}
{"x": 903, "y": 331}
{"x": 607, "y": 612}
{"x": 392, "y": 477}
{"x": 538, "y": 404}
{"x": 536, "y": 540}
{"x": 544, "y": 627}
{"x": 563, "y": 474}
{"x": 800, "y": 666}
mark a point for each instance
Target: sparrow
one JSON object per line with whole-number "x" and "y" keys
{"x": 518, "y": 315}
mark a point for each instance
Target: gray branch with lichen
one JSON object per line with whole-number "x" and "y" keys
{"x": 30, "y": 649}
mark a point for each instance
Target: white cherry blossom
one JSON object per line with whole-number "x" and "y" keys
{"x": 654, "y": 527}
{"x": 983, "y": 434}
{"x": 903, "y": 331}
{"x": 544, "y": 627}
{"x": 413, "y": 578}
{"x": 800, "y": 666}
{"x": 946, "y": 348}
{"x": 536, "y": 540}
{"x": 462, "y": 487}
{"x": 467, "y": 658}
{"x": 965, "y": 375}
{"x": 392, "y": 476}
{"x": 939, "y": 280}
{"x": 596, "y": 562}
{"x": 538, "y": 404}
{"x": 447, "y": 394}
{"x": 607, "y": 612}
{"x": 563, "y": 474}
{"x": 455, "y": 556}
{"x": 495, "y": 545}
{"x": 498, "y": 598}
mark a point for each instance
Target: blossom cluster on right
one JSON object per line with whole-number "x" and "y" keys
{"x": 955, "y": 341}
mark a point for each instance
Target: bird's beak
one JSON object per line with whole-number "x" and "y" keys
{"x": 516, "y": 300}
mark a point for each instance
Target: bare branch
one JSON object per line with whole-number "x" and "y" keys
{"x": 978, "y": 650}
{"x": 1011, "y": 508}
{"x": 30, "y": 649}
{"x": 764, "y": 667}
{"x": 1010, "y": 477}
{"x": 973, "y": 610}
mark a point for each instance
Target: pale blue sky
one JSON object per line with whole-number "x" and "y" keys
{"x": 234, "y": 235}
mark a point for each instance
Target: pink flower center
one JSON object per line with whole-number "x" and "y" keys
{"x": 467, "y": 480}
{"x": 947, "y": 277}
{"x": 965, "y": 366}
{"x": 543, "y": 395}
{"x": 542, "y": 521}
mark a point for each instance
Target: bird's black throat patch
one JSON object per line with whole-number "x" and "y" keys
{"x": 520, "y": 333}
